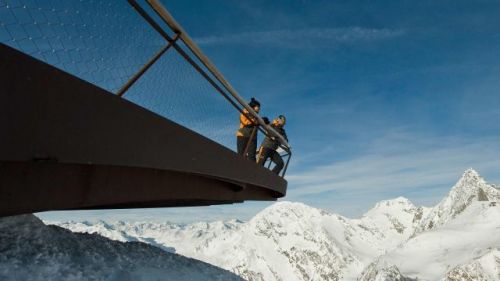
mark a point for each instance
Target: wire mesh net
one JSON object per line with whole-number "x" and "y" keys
{"x": 106, "y": 43}
{"x": 103, "y": 42}
{"x": 180, "y": 93}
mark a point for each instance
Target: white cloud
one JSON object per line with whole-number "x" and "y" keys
{"x": 304, "y": 38}
{"x": 401, "y": 163}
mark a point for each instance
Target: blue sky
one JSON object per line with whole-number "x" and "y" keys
{"x": 383, "y": 98}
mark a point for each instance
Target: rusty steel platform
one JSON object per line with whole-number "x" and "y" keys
{"x": 68, "y": 144}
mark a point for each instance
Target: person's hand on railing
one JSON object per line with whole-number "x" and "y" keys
{"x": 266, "y": 120}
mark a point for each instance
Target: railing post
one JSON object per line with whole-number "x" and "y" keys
{"x": 286, "y": 165}
{"x": 245, "y": 152}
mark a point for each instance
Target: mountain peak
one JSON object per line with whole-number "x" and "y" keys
{"x": 391, "y": 206}
{"x": 468, "y": 185}
{"x": 471, "y": 187}
{"x": 470, "y": 176}
{"x": 397, "y": 201}
{"x": 286, "y": 209}
{"x": 471, "y": 172}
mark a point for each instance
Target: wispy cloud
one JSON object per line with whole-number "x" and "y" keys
{"x": 304, "y": 38}
{"x": 400, "y": 164}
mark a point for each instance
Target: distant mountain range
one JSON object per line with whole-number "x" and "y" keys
{"x": 458, "y": 239}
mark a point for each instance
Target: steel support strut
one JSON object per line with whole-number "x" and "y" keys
{"x": 167, "y": 37}
{"x": 145, "y": 67}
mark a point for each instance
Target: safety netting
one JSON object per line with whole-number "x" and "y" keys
{"x": 106, "y": 43}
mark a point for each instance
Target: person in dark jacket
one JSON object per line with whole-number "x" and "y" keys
{"x": 247, "y": 133}
{"x": 270, "y": 145}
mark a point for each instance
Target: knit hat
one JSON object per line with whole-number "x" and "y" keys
{"x": 253, "y": 103}
{"x": 283, "y": 119}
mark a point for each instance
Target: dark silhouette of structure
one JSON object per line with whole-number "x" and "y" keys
{"x": 68, "y": 144}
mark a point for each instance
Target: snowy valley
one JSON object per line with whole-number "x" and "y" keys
{"x": 458, "y": 239}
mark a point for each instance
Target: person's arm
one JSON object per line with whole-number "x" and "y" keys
{"x": 245, "y": 121}
{"x": 283, "y": 133}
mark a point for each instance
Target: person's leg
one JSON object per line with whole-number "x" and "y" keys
{"x": 276, "y": 158}
{"x": 263, "y": 155}
{"x": 252, "y": 147}
{"x": 241, "y": 143}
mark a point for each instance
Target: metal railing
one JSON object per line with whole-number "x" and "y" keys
{"x": 227, "y": 90}
{"x": 107, "y": 44}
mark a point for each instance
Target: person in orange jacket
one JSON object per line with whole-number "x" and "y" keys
{"x": 247, "y": 133}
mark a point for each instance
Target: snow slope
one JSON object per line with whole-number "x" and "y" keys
{"x": 431, "y": 254}
{"x": 458, "y": 239}
{"x": 393, "y": 241}
{"x": 484, "y": 268}
{"x": 31, "y": 250}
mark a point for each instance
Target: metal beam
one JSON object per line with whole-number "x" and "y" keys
{"x": 176, "y": 27}
{"x": 145, "y": 67}
{"x": 167, "y": 37}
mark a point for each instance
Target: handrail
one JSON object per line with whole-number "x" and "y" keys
{"x": 202, "y": 72}
{"x": 172, "y": 23}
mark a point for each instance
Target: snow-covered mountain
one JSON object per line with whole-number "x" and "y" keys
{"x": 465, "y": 239}
{"x": 31, "y": 250}
{"x": 470, "y": 188}
{"x": 396, "y": 219}
{"x": 393, "y": 241}
{"x": 287, "y": 241}
{"x": 382, "y": 271}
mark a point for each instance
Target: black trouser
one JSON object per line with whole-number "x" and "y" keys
{"x": 242, "y": 143}
{"x": 266, "y": 153}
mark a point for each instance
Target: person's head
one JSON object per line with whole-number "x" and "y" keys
{"x": 280, "y": 121}
{"x": 254, "y": 104}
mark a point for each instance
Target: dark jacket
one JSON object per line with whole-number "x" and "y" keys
{"x": 270, "y": 142}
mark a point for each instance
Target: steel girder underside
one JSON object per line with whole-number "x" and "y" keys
{"x": 68, "y": 144}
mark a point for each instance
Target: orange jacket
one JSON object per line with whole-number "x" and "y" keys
{"x": 246, "y": 125}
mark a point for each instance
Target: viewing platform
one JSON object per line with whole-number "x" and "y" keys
{"x": 67, "y": 144}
